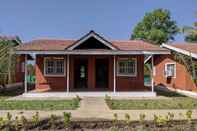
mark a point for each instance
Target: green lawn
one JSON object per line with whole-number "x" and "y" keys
{"x": 172, "y": 103}
{"x": 39, "y": 104}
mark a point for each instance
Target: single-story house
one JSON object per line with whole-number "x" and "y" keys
{"x": 174, "y": 70}
{"x": 89, "y": 64}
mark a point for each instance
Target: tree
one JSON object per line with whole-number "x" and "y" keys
{"x": 191, "y": 33}
{"x": 156, "y": 27}
{"x": 7, "y": 60}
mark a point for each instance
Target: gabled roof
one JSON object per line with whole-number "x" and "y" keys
{"x": 67, "y": 46}
{"x": 88, "y": 36}
{"x": 189, "y": 49}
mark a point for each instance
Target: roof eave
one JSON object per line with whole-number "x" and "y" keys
{"x": 185, "y": 52}
{"x": 110, "y": 52}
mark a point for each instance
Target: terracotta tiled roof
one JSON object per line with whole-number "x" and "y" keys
{"x": 137, "y": 45}
{"x": 45, "y": 45}
{"x": 60, "y": 45}
{"x": 191, "y": 47}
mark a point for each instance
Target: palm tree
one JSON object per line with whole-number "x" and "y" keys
{"x": 191, "y": 32}
{"x": 7, "y": 61}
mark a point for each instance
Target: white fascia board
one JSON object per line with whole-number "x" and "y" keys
{"x": 185, "y": 52}
{"x": 93, "y": 52}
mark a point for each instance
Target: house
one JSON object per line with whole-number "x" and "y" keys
{"x": 90, "y": 64}
{"x": 173, "y": 72}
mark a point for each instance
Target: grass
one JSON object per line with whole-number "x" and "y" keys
{"x": 173, "y": 103}
{"x": 39, "y": 104}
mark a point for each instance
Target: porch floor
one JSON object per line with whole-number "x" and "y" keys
{"x": 90, "y": 94}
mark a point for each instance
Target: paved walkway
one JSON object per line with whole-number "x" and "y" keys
{"x": 95, "y": 108}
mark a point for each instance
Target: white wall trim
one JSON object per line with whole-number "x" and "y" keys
{"x": 85, "y": 52}
{"x": 92, "y": 34}
{"x": 127, "y": 75}
{"x": 185, "y": 52}
{"x": 165, "y": 68}
{"x": 53, "y": 75}
{"x": 114, "y": 62}
{"x": 68, "y": 71}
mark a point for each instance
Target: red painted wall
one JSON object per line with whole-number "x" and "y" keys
{"x": 53, "y": 83}
{"x": 125, "y": 83}
{"x": 19, "y": 75}
{"x": 183, "y": 79}
{"x": 59, "y": 83}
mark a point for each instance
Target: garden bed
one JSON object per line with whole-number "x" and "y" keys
{"x": 171, "y": 103}
{"x": 103, "y": 125}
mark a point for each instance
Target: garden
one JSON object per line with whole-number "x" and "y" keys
{"x": 67, "y": 123}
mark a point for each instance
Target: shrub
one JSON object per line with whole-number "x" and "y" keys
{"x": 189, "y": 115}
{"x": 159, "y": 120}
{"x": 36, "y": 118}
{"x": 24, "y": 122}
{"x": 16, "y": 123}
{"x": 127, "y": 118}
{"x": 52, "y": 121}
{"x": 2, "y": 122}
{"x": 67, "y": 117}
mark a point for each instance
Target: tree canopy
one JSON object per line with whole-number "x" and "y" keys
{"x": 156, "y": 27}
{"x": 190, "y": 32}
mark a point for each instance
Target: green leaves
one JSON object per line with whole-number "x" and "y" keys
{"x": 156, "y": 27}
{"x": 190, "y": 32}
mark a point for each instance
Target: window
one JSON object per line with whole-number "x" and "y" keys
{"x": 170, "y": 70}
{"x": 127, "y": 67}
{"x": 54, "y": 66}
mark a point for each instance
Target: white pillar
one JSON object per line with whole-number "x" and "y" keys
{"x": 152, "y": 73}
{"x": 114, "y": 74}
{"x": 67, "y": 72}
{"x": 25, "y": 66}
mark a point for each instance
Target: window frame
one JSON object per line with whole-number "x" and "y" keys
{"x": 127, "y": 75}
{"x": 165, "y": 69}
{"x": 52, "y": 74}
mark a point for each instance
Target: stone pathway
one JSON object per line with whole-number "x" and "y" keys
{"x": 95, "y": 108}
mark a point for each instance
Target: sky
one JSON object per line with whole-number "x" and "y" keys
{"x": 71, "y": 19}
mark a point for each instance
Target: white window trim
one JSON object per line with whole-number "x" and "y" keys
{"x": 165, "y": 69}
{"x": 54, "y": 75}
{"x": 127, "y": 75}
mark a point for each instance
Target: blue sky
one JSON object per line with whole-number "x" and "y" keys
{"x": 70, "y": 19}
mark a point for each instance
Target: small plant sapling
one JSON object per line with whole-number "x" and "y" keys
{"x": 127, "y": 118}
{"x": 8, "y": 119}
{"x": 16, "y": 123}
{"x": 76, "y": 101}
{"x": 36, "y": 119}
{"x": 2, "y": 122}
{"x": 24, "y": 122}
{"x": 142, "y": 118}
{"x": 159, "y": 120}
{"x": 115, "y": 119}
{"x": 52, "y": 121}
{"x": 67, "y": 119}
{"x": 189, "y": 116}
{"x": 169, "y": 118}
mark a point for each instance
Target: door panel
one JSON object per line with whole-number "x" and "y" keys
{"x": 81, "y": 73}
{"x": 102, "y": 73}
